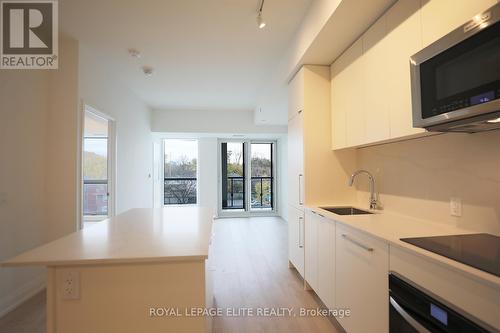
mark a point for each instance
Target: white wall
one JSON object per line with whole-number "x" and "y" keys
{"x": 106, "y": 94}
{"x": 23, "y": 137}
{"x": 38, "y": 110}
{"x": 207, "y": 172}
{"x": 186, "y": 121}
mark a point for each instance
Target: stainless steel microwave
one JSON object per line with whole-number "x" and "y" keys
{"x": 455, "y": 81}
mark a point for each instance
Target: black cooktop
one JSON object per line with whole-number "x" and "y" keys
{"x": 481, "y": 251}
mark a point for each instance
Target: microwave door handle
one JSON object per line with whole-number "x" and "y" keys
{"x": 409, "y": 319}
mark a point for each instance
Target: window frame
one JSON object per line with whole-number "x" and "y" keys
{"x": 162, "y": 172}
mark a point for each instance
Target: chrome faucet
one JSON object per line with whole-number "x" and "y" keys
{"x": 373, "y": 197}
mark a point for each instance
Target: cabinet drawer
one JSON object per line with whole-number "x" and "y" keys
{"x": 361, "y": 283}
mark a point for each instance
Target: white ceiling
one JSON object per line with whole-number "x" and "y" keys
{"x": 207, "y": 54}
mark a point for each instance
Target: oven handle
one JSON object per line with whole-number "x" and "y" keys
{"x": 409, "y": 319}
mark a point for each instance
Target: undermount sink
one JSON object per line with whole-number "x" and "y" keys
{"x": 346, "y": 210}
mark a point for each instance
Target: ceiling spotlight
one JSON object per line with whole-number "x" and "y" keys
{"x": 148, "y": 71}
{"x": 260, "y": 21}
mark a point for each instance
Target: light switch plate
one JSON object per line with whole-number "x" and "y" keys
{"x": 456, "y": 207}
{"x": 70, "y": 285}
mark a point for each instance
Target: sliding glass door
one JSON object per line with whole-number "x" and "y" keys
{"x": 247, "y": 177}
{"x": 261, "y": 169}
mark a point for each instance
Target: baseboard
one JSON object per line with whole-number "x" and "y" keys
{"x": 23, "y": 293}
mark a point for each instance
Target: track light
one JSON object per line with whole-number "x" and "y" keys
{"x": 260, "y": 21}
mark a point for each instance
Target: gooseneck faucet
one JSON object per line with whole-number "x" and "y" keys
{"x": 373, "y": 197}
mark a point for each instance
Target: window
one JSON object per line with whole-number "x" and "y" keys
{"x": 247, "y": 181}
{"x": 261, "y": 167}
{"x": 180, "y": 168}
{"x": 95, "y": 166}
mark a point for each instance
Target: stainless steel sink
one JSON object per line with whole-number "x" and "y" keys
{"x": 346, "y": 210}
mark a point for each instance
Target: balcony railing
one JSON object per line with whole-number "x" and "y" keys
{"x": 179, "y": 190}
{"x": 261, "y": 193}
{"x": 95, "y": 197}
{"x": 235, "y": 195}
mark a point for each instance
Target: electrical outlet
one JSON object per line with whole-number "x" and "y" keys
{"x": 70, "y": 287}
{"x": 456, "y": 207}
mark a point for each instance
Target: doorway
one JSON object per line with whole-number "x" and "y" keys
{"x": 98, "y": 166}
{"x": 247, "y": 177}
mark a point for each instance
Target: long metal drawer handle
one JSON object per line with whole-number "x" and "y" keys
{"x": 301, "y": 202}
{"x": 301, "y": 238}
{"x": 409, "y": 319}
{"x": 369, "y": 249}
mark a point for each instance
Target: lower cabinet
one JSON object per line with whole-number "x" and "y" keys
{"x": 311, "y": 249}
{"x": 320, "y": 256}
{"x": 361, "y": 280}
{"x": 296, "y": 238}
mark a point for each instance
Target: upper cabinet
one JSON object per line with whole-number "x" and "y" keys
{"x": 296, "y": 95}
{"x": 316, "y": 174}
{"x": 439, "y": 17}
{"x": 371, "y": 90}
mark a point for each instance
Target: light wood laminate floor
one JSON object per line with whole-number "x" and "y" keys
{"x": 250, "y": 271}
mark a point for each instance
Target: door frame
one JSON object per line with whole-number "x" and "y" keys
{"x": 112, "y": 150}
{"x": 248, "y": 212}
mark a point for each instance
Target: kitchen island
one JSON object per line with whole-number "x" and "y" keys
{"x": 142, "y": 271}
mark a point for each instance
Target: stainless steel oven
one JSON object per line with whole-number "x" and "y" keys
{"x": 456, "y": 80}
{"x": 411, "y": 310}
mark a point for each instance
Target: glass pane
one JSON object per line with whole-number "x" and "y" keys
{"x": 95, "y": 159}
{"x": 95, "y": 199}
{"x": 262, "y": 175}
{"x": 233, "y": 175}
{"x": 180, "y": 183}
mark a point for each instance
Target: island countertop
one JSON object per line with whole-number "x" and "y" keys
{"x": 135, "y": 236}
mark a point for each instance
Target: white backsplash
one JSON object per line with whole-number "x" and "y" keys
{"x": 419, "y": 177}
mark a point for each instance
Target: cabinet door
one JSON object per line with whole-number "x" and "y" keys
{"x": 403, "y": 20}
{"x": 375, "y": 87}
{"x": 296, "y": 161}
{"x": 311, "y": 250}
{"x": 439, "y": 17}
{"x": 351, "y": 79}
{"x": 326, "y": 261}
{"x": 296, "y": 238}
{"x": 296, "y": 94}
{"x": 361, "y": 282}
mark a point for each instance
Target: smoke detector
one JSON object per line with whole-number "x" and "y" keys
{"x": 147, "y": 70}
{"x": 134, "y": 53}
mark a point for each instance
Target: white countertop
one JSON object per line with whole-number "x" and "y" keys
{"x": 391, "y": 227}
{"x": 137, "y": 235}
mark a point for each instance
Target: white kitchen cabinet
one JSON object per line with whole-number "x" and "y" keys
{"x": 403, "y": 20}
{"x": 313, "y": 170}
{"x": 361, "y": 280}
{"x": 375, "y": 82}
{"x": 439, "y": 17}
{"x": 347, "y": 108}
{"x": 296, "y": 238}
{"x": 296, "y": 95}
{"x": 320, "y": 256}
{"x": 371, "y": 88}
{"x": 326, "y": 261}
{"x": 296, "y": 161}
{"x": 311, "y": 250}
